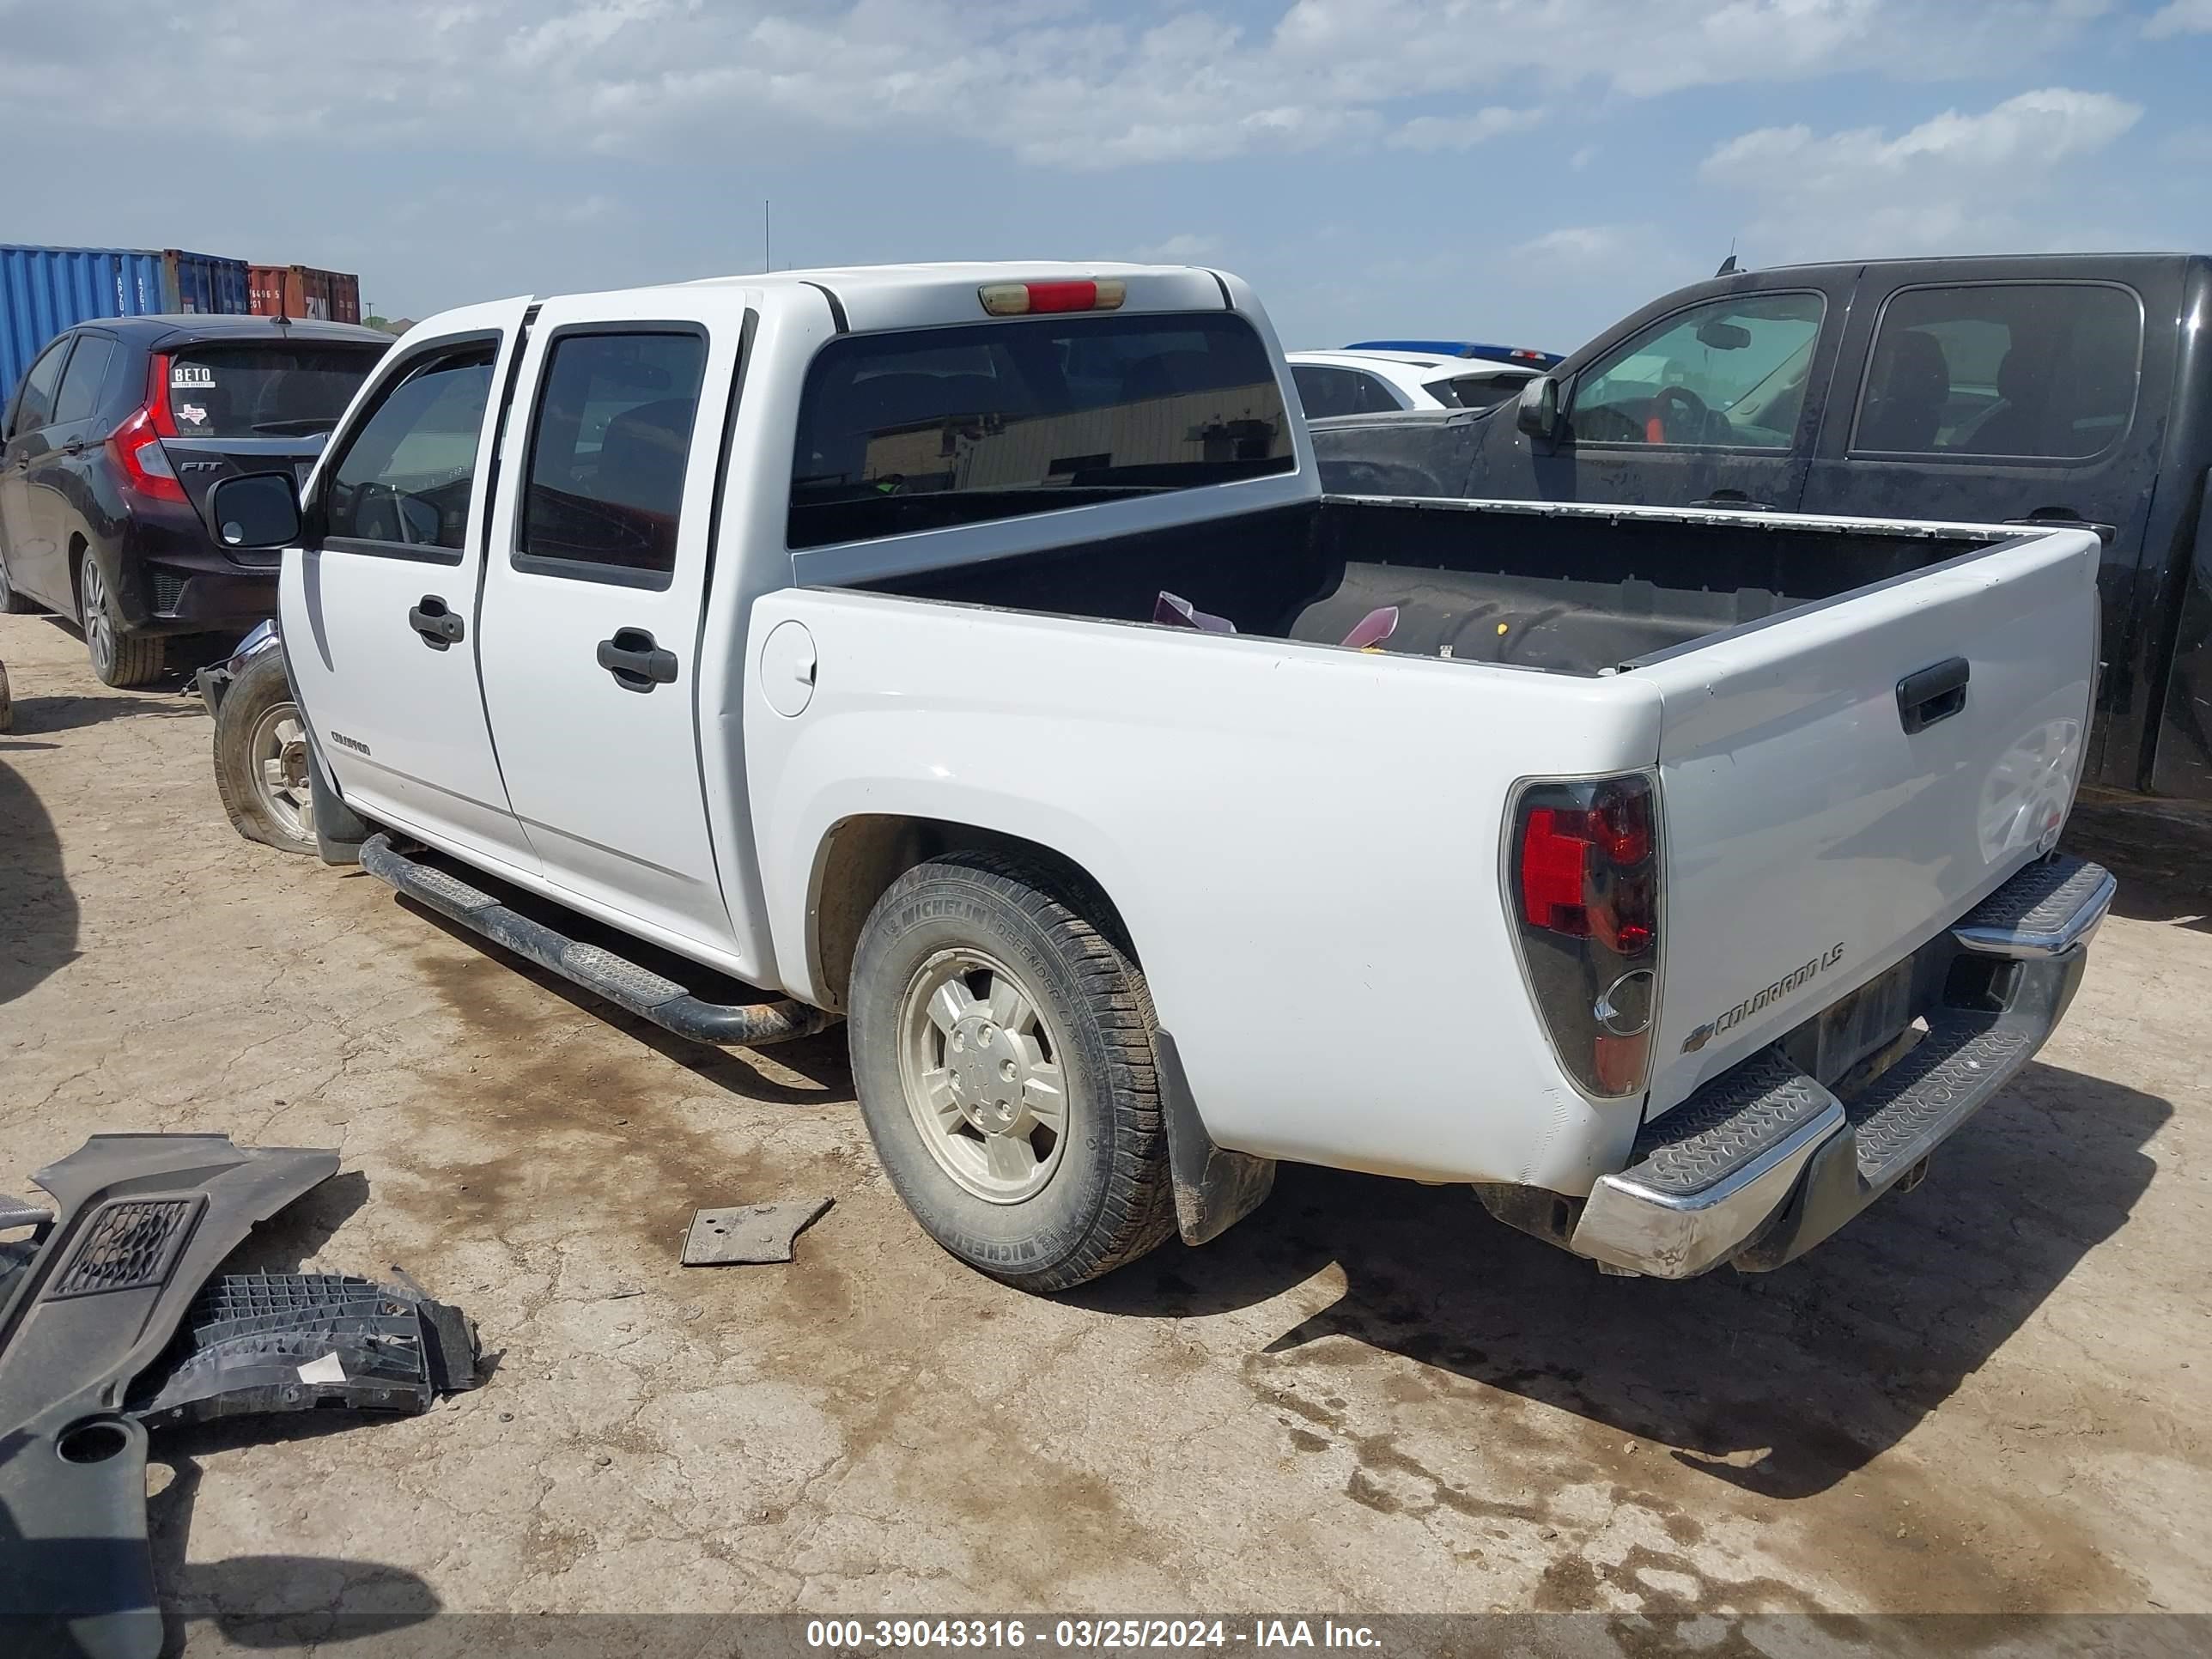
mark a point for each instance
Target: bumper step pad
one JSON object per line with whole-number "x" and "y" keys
{"x": 1764, "y": 1162}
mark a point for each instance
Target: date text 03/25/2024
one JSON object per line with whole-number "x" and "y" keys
{"x": 1117, "y": 1635}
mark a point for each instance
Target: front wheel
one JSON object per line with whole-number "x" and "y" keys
{"x": 118, "y": 659}
{"x": 1002, "y": 1051}
{"x": 261, "y": 762}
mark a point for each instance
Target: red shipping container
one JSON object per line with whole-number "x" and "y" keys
{"x": 330, "y": 297}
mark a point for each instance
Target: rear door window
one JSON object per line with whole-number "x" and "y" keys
{"x": 403, "y": 485}
{"x": 608, "y": 450}
{"x": 79, "y": 397}
{"x": 1326, "y": 390}
{"x": 2030, "y": 371}
{"x": 273, "y": 391}
{"x": 1478, "y": 391}
{"x": 918, "y": 428}
{"x": 34, "y": 407}
{"x": 1729, "y": 373}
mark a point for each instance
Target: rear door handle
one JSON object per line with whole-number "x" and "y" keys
{"x": 439, "y": 627}
{"x": 1934, "y": 694}
{"x": 636, "y": 663}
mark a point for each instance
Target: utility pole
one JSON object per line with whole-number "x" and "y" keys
{"x": 765, "y": 264}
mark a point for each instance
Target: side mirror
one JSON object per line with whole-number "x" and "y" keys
{"x": 260, "y": 510}
{"x": 1538, "y": 413}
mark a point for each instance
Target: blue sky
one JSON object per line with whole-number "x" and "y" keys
{"x": 1522, "y": 170}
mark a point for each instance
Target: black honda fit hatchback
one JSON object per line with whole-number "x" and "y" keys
{"x": 119, "y": 431}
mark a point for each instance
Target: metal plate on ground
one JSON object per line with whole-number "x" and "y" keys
{"x": 748, "y": 1233}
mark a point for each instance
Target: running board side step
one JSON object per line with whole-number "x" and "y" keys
{"x": 620, "y": 981}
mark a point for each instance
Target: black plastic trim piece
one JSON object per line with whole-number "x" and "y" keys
{"x": 1214, "y": 1188}
{"x": 836, "y": 306}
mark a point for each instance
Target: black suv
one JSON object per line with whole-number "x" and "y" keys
{"x": 112, "y": 441}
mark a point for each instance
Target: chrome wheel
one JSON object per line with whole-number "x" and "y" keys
{"x": 980, "y": 1069}
{"x": 99, "y": 626}
{"x": 277, "y": 749}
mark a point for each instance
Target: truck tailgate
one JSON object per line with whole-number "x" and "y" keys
{"x": 1842, "y": 782}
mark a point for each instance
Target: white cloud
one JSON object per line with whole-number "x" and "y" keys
{"x": 1954, "y": 182}
{"x": 1461, "y": 131}
{"x": 1066, "y": 84}
{"x": 2180, "y": 17}
{"x": 1184, "y": 248}
{"x": 1580, "y": 244}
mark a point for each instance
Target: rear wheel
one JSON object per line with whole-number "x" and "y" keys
{"x": 262, "y": 767}
{"x": 1002, "y": 1051}
{"x": 118, "y": 657}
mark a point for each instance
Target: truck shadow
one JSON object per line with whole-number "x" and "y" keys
{"x": 1782, "y": 1383}
{"x": 64, "y": 713}
{"x": 819, "y": 1060}
{"x": 2162, "y": 854}
{"x": 40, "y": 936}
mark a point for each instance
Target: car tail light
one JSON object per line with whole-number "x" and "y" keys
{"x": 136, "y": 446}
{"x": 1582, "y": 866}
{"x": 157, "y": 395}
{"x": 1027, "y": 299}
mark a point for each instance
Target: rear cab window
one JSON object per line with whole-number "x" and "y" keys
{"x": 913, "y": 429}
{"x": 2023, "y": 371}
{"x": 263, "y": 391}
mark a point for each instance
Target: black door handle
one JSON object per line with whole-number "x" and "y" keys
{"x": 1933, "y": 694}
{"x": 439, "y": 627}
{"x": 636, "y": 663}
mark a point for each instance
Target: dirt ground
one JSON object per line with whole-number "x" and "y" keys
{"x": 1994, "y": 1394}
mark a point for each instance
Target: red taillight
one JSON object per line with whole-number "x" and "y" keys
{"x": 1585, "y": 886}
{"x": 135, "y": 448}
{"x": 157, "y": 395}
{"x": 1031, "y": 299}
{"x": 1554, "y": 868}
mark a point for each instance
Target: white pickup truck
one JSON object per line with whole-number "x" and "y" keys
{"x": 961, "y": 650}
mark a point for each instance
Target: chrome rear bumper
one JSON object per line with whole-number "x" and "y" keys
{"x": 1765, "y": 1162}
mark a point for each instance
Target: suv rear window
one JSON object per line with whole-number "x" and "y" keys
{"x": 2032, "y": 370}
{"x": 263, "y": 391}
{"x": 918, "y": 428}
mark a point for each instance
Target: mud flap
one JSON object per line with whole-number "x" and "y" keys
{"x": 1214, "y": 1188}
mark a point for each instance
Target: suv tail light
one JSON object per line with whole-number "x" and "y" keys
{"x": 1584, "y": 869}
{"x": 136, "y": 446}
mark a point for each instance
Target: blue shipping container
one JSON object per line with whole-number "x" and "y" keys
{"x": 44, "y": 290}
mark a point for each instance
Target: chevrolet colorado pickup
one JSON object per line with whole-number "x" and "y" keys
{"x": 970, "y": 652}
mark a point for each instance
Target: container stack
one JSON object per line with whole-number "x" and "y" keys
{"x": 44, "y": 290}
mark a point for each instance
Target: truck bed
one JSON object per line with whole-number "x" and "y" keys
{"x": 1566, "y": 589}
